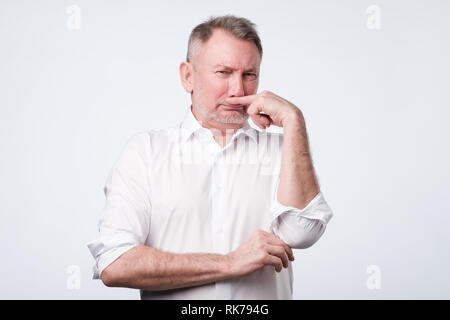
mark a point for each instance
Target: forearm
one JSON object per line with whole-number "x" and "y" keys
{"x": 143, "y": 267}
{"x": 298, "y": 184}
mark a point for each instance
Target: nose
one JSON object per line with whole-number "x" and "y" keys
{"x": 236, "y": 86}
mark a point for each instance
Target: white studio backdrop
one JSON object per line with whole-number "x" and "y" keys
{"x": 78, "y": 78}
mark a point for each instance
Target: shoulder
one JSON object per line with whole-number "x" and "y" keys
{"x": 152, "y": 136}
{"x": 153, "y": 141}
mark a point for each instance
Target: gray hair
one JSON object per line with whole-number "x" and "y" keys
{"x": 241, "y": 28}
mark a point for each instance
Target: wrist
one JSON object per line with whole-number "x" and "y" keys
{"x": 227, "y": 266}
{"x": 293, "y": 119}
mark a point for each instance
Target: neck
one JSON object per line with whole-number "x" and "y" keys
{"x": 222, "y": 132}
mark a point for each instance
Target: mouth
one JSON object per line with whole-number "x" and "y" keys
{"x": 233, "y": 106}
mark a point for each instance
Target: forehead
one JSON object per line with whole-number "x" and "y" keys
{"x": 223, "y": 48}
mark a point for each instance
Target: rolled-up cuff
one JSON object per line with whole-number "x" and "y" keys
{"x": 300, "y": 229}
{"x": 107, "y": 249}
{"x": 316, "y": 209}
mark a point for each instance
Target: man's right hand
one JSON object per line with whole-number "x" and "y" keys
{"x": 261, "y": 249}
{"x": 143, "y": 267}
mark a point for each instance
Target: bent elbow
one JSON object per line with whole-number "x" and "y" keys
{"x": 107, "y": 277}
{"x": 300, "y": 237}
{"x": 304, "y": 242}
{"x": 299, "y": 240}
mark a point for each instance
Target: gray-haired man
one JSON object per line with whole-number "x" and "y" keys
{"x": 221, "y": 227}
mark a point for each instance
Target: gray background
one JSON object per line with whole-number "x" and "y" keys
{"x": 376, "y": 104}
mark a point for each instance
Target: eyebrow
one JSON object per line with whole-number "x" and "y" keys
{"x": 227, "y": 67}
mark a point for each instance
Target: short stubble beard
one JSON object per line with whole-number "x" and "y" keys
{"x": 214, "y": 116}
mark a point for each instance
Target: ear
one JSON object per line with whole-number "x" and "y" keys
{"x": 186, "y": 75}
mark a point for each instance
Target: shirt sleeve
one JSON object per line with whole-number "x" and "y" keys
{"x": 300, "y": 229}
{"x": 125, "y": 220}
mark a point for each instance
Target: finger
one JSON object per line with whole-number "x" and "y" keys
{"x": 265, "y": 119}
{"x": 258, "y": 121}
{"x": 261, "y": 117}
{"x": 280, "y": 253}
{"x": 274, "y": 261}
{"x": 258, "y": 116}
{"x": 241, "y": 100}
{"x": 275, "y": 240}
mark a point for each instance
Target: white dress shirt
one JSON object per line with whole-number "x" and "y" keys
{"x": 177, "y": 190}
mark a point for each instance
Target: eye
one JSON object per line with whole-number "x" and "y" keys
{"x": 251, "y": 75}
{"x": 223, "y": 72}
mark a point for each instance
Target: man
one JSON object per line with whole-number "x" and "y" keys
{"x": 212, "y": 208}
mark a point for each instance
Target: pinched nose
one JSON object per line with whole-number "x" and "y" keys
{"x": 236, "y": 87}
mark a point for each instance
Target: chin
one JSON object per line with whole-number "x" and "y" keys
{"x": 235, "y": 118}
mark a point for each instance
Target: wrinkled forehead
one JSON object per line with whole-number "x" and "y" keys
{"x": 224, "y": 49}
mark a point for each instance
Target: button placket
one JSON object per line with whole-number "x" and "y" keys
{"x": 217, "y": 204}
{"x": 223, "y": 288}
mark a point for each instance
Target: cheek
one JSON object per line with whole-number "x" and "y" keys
{"x": 214, "y": 87}
{"x": 218, "y": 86}
{"x": 209, "y": 90}
{"x": 251, "y": 87}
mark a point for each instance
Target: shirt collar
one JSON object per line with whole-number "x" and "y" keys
{"x": 190, "y": 125}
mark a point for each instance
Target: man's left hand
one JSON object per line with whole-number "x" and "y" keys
{"x": 266, "y": 108}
